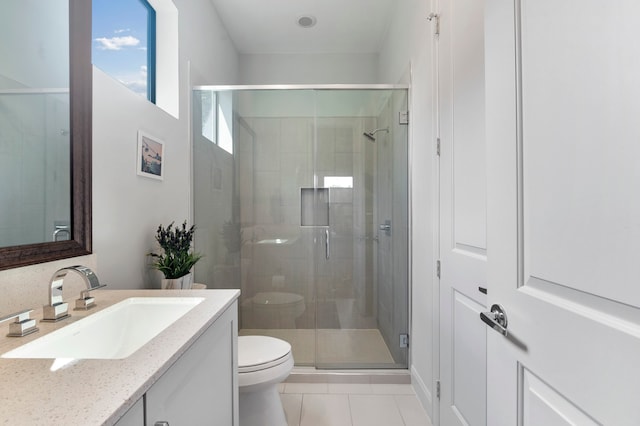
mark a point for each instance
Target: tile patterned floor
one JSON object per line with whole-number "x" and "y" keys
{"x": 347, "y": 404}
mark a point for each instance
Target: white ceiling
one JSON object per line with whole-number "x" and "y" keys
{"x": 270, "y": 26}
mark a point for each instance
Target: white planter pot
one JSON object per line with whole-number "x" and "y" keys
{"x": 183, "y": 283}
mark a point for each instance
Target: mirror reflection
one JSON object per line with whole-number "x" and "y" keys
{"x": 34, "y": 122}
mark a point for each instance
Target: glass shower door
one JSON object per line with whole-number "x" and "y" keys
{"x": 361, "y": 269}
{"x": 275, "y": 163}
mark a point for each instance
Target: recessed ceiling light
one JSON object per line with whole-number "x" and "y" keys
{"x": 307, "y": 21}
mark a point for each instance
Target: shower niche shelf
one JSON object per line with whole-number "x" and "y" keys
{"x": 314, "y": 207}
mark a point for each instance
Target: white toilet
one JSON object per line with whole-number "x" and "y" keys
{"x": 263, "y": 362}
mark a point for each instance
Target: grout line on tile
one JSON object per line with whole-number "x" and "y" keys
{"x": 301, "y": 408}
{"x": 350, "y": 410}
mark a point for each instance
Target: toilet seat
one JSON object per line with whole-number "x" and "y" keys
{"x": 256, "y": 353}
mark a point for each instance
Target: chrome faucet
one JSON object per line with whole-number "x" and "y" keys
{"x": 61, "y": 230}
{"x": 93, "y": 283}
{"x": 58, "y": 309}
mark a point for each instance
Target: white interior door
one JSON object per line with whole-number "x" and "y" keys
{"x": 463, "y": 246}
{"x": 563, "y": 137}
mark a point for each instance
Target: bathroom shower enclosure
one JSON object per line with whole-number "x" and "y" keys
{"x": 301, "y": 201}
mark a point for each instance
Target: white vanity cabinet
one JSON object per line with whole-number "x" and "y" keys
{"x": 200, "y": 387}
{"x": 135, "y": 415}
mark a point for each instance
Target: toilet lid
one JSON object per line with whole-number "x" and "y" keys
{"x": 260, "y": 352}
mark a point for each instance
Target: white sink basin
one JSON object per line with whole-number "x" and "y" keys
{"x": 113, "y": 333}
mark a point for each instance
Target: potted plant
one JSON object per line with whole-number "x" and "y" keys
{"x": 177, "y": 258}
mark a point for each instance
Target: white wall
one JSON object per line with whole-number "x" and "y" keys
{"x": 409, "y": 44}
{"x": 309, "y": 69}
{"x": 128, "y": 208}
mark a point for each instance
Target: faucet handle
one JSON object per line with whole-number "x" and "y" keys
{"x": 86, "y": 301}
{"x": 56, "y": 312}
{"x": 23, "y": 325}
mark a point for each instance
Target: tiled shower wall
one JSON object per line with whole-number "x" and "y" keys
{"x": 277, "y": 160}
{"x": 213, "y": 215}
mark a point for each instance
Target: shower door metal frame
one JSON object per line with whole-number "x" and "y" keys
{"x": 303, "y": 87}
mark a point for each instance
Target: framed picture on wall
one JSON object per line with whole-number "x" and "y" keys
{"x": 150, "y": 161}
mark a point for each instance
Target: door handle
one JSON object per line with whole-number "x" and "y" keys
{"x": 327, "y": 245}
{"x": 497, "y": 319}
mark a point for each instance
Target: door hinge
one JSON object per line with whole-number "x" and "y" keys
{"x": 438, "y": 147}
{"x": 438, "y": 389}
{"x": 403, "y": 117}
{"x": 435, "y": 16}
{"x": 404, "y": 340}
{"x": 438, "y": 268}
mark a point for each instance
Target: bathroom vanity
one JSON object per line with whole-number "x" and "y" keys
{"x": 186, "y": 374}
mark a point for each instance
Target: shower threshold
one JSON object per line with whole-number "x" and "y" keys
{"x": 335, "y": 349}
{"x": 365, "y": 376}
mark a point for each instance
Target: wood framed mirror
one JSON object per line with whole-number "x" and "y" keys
{"x": 80, "y": 127}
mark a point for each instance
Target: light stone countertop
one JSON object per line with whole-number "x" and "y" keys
{"x": 97, "y": 391}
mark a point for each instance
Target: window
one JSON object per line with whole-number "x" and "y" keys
{"x": 208, "y": 103}
{"x": 217, "y": 118}
{"x": 124, "y": 43}
{"x": 225, "y": 121}
{"x": 338, "y": 181}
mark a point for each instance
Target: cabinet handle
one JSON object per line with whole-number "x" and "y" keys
{"x": 161, "y": 424}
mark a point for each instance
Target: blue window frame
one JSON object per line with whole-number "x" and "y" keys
{"x": 151, "y": 51}
{"x": 124, "y": 43}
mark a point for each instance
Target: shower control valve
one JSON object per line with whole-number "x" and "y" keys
{"x": 386, "y": 227}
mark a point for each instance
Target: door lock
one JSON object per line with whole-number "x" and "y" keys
{"x": 497, "y": 319}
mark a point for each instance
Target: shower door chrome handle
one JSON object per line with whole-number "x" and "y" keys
{"x": 327, "y": 244}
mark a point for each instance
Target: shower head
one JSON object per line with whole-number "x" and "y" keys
{"x": 371, "y": 135}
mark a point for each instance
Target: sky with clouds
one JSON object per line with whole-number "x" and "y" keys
{"x": 119, "y": 41}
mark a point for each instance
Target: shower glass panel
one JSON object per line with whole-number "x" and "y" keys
{"x": 35, "y": 164}
{"x": 308, "y": 216}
